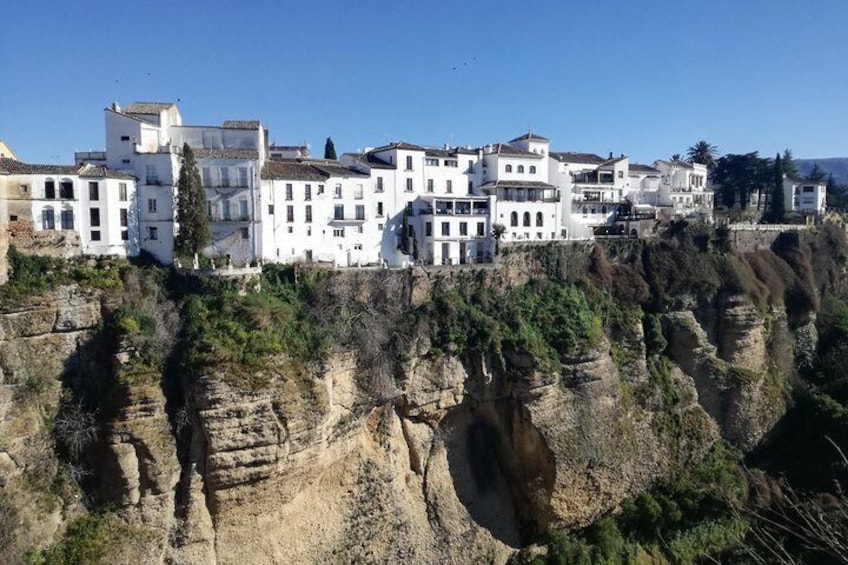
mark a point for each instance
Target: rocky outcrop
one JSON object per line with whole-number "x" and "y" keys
{"x": 469, "y": 458}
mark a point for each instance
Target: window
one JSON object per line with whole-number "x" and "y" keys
{"x": 270, "y": 210}
{"x": 125, "y": 235}
{"x": 122, "y": 191}
{"x": 67, "y": 219}
{"x": 526, "y": 219}
{"x": 357, "y": 192}
{"x": 152, "y": 205}
{"x": 338, "y": 232}
{"x": 409, "y": 185}
{"x": 520, "y": 168}
{"x": 13, "y": 218}
{"x": 309, "y": 214}
{"x": 380, "y": 209}
{"x": 307, "y": 192}
{"x": 451, "y": 163}
{"x": 225, "y": 176}
{"x": 49, "y": 189}
{"x": 243, "y": 213}
{"x": 289, "y": 213}
{"x": 431, "y": 162}
{"x": 48, "y": 221}
{"x": 449, "y": 187}
{"x": 357, "y": 247}
{"x": 93, "y": 191}
{"x": 379, "y": 184}
{"x": 210, "y": 209}
{"x": 463, "y": 228}
{"x": 428, "y": 229}
{"x": 94, "y": 217}
{"x": 289, "y": 191}
{"x": 152, "y": 233}
{"x": 621, "y": 174}
{"x": 95, "y": 235}
{"x": 124, "y": 216}
{"x": 150, "y": 174}
{"x": 125, "y": 161}
{"x": 429, "y": 185}
{"x": 539, "y": 219}
{"x": 508, "y": 168}
{"x": 242, "y": 176}
{"x": 320, "y": 189}
{"x": 360, "y": 212}
{"x": 379, "y": 227}
{"x": 481, "y": 229}
{"x": 532, "y": 169}
{"x": 245, "y": 233}
{"x": 206, "y": 172}
{"x": 409, "y": 162}
{"x": 66, "y": 190}
{"x": 445, "y": 228}
{"x": 24, "y": 188}
{"x": 513, "y": 219}
{"x": 337, "y": 191}
{"x": 225, "y": 209}
{"x": 125, "y": 138}
{"x": 470, "y": 165}
{"x": 338, "y": 212}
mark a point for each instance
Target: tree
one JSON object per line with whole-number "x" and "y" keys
{"x": 498, "y": 231}
{"x": 777, "y": 209}
{"x": 330, "y": 149}
{"x": 789, "y": 167}
{"x": 817, "y": 174}
{"x": 193, "y": 230}
{"x": 739, "y": 176}
{"x": 703, "y": 153}
{"x": 675, "y": 157}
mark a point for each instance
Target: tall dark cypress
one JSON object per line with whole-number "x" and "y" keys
{"x": 193, "y": 224}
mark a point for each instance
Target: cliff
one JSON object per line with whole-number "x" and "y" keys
{"x": 434, "y": 424}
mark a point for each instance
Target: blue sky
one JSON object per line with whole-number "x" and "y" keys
{"x": 645, "y": 78}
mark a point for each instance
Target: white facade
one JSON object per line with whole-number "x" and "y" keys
{"x": 93, "y": 207}
{"x": 683, "y": 189}
{"x": 146, "y": 139}
{"x": 804, "y": 196}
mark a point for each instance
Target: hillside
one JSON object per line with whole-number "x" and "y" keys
{"x": 836, "y": 165}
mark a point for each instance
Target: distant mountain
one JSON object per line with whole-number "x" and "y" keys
{"x": 836, "y": 165}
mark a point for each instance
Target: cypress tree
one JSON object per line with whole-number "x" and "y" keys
{"x": 778, "y": 202}
{"x": 329, "y": 149}
{"x": 193, "y": 230}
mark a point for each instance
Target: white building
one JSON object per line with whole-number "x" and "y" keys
{"x": 683, "y": 189}
{"x": 318, "y": 210}
{"x": 86, "y": 209}
{"x": 146, "y": 139}
{"x": 804, "y": 196}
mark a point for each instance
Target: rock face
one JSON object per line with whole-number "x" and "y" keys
{"x": 473, "y": 457}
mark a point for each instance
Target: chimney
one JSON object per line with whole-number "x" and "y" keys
{"x": 610, "y": 155}
{"x": 115, "y": 107}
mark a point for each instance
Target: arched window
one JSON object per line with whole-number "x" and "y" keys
{"x": 603, "y": 209}
{"x": 49, "y": 189}
{"x": 585, "y": 210}
{"x": 520, "y": 168}
{"x": 532, "y": 169}
{"x": 509, "y": 168}
{"x": 539, "y": 219}
{"x": 513, "y": 219}
{"x": 527, "y": 219}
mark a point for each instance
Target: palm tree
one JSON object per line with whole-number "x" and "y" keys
{"x": 498, "y": 231}
{"x": 704, "y": 153}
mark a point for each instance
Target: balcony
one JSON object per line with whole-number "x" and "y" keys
{"x": 348, "y": 219}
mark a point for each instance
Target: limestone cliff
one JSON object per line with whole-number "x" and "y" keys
{"x": 469, "y": 455}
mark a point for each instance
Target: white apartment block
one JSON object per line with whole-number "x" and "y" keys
{"x": 88, "y": 209}
{"x": 146, "y": 139}
{"x": 804, "y": 196}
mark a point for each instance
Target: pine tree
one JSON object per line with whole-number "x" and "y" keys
{"x": 778, "y": 201}
{"x": 789, "y": 163}
{"x": 330, "y": 149}
{"x": 193, "y": 230}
